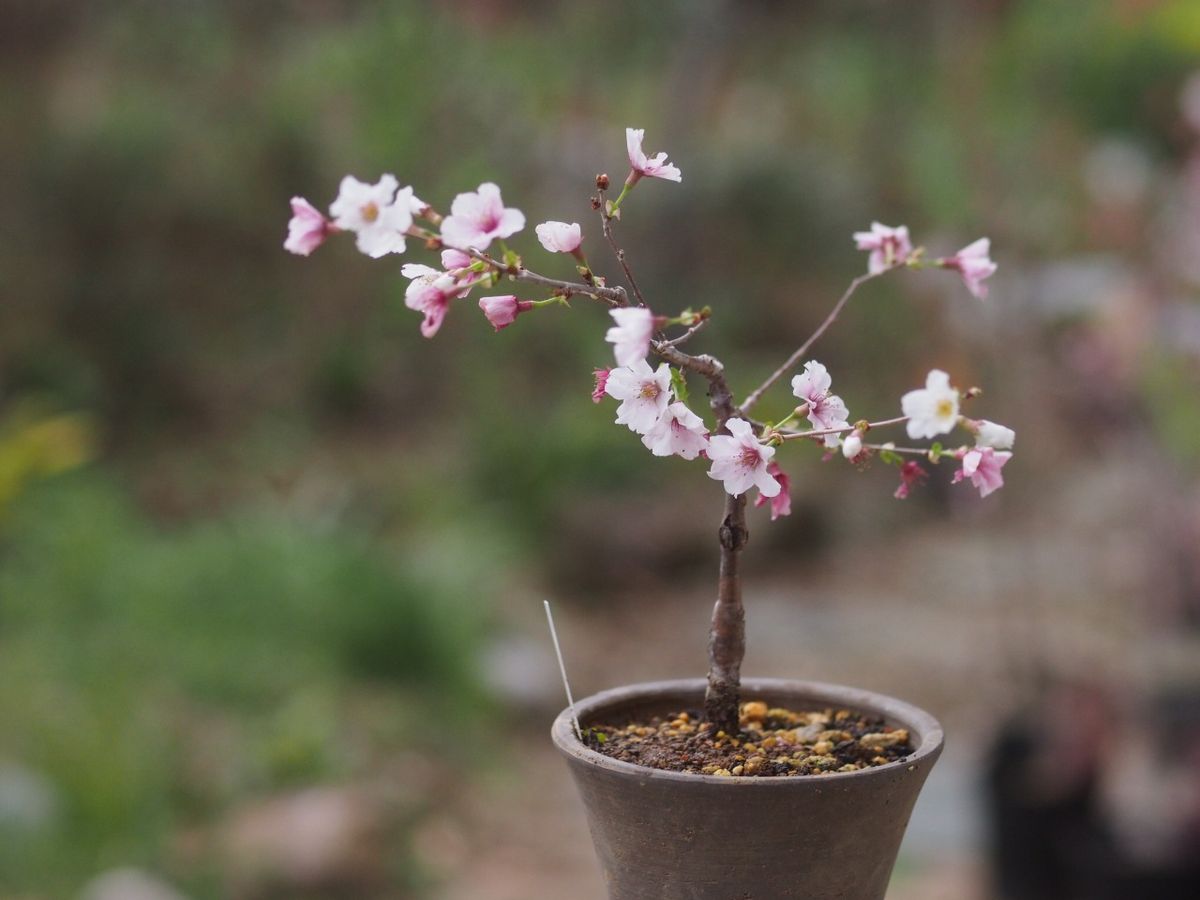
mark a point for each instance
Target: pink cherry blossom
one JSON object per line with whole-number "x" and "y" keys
{"x": 825, "y": 410}
{"x": 982, "y": 465}
{"x": 933, "y": 410}
{"x": 678, "y": 432}
{"x": 503, "y": 311}
{"x": 910, "y": 473}
{"x": 559, "y": 237}
{"x": 477, "y": 218}
{"x": 655, "y": 167}
{"x": 643, "y": 391}
{"x": 455, "y": 259}
{"x": 740, "y": 460}
{"x": 631, "y": 335}
{"x": 781, "y": 503}
{"x": 430, "y": 292}
{"x": 307, "y": 228}
{"x": 889, "y": 246}
{"x": 598, "y": 391}
{"x": 378, "y": 214}
{"x": 973, "y": 264}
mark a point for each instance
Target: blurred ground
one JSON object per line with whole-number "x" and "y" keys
{"x": 962, "y": 653}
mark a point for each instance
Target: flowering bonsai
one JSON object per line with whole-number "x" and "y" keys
{"x": 739, "y": 450}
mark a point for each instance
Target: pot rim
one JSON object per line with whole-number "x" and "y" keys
{"x": 905, "y": 714}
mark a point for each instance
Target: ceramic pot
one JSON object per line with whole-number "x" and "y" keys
{"x": 672, "y": 836}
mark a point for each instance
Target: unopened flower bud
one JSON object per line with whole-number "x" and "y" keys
{"x": 601, "y": 376}
{"x": 852, "y": 446}
{"x": 602, "y": 181}
{"x": 503, "y": 311}
{"x": 990, "y": 434}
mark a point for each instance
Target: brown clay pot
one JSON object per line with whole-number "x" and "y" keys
{"x": 671, "y": 836}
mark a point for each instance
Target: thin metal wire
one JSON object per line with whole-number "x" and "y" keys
{"x": 563, "y": 669}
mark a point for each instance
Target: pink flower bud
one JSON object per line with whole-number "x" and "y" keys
{"x": 455, "y": 259}
{"x": 559, "y": 237}
{"x": 599, "y": 392}
{"x": 910, "y": 473}
{"x": 503, "y": 311}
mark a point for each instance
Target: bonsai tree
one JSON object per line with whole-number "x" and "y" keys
{"x": 739, "y": 450}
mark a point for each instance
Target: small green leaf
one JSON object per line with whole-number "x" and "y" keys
{"x": 600, "y": 737}
{"x": 679, "y": 385}
{"x": 935, "y": 452}
{"x": 890, "y": 457}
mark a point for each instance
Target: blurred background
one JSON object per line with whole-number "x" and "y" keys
{"x": 271, "y": 564}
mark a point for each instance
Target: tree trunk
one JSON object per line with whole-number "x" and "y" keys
{"x": 727, "y": 637}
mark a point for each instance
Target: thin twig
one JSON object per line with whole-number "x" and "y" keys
{"x": 675, "y": 342}
{"x": 793, "y": 435}
{"x": 606, "y": 227}
{"x": 792, "y": 360}
{"x": 613, "y": 296}
{"x": 916, "y": 451}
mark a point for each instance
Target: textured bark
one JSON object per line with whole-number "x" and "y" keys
{"x": 727, "y": 637}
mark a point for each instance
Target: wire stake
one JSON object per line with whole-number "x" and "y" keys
{"x": 563, "y": 669}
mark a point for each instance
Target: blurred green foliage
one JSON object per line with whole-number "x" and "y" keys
{"x": 155, "y": 676}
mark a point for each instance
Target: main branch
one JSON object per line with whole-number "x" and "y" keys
{"x": 727, "y": 634}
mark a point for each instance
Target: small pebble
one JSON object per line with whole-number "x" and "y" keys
{"x": 754, "y": 711}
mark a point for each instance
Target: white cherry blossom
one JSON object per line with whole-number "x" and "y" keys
{"x": 654, "y": 167}
{"x": 678, "y": 432}
{"x": 740, "y": 460}
{"x": 379, "y": 214}
{"x": 644, "y": 393}
{"x": 932, "y": 410}
{"x": 989, "y": 434}
{"x": 631, "y": 335}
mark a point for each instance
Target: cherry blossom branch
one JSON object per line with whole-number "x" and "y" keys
{"x": 915, "y": 451}
{"x": 795, "y": 358}
{"x": 720, "y": 397}
{"x": 614, "y": 296}
{"x": 793, "y": 435}
{"x": 683, "y": 338}
{"x": 606, "y": 227}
